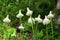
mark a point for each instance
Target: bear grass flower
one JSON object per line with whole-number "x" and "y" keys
{"x": 31, "y": 20}
{"x": 50, "y": 15}
{"x": 29, "y": 12}
{"x": 7, "y": 20}
{"x": 19, "y": 15}
{"x": 46, "y": 21}
{"x": 38, "y": 19}
{"x": 21, "y": 27}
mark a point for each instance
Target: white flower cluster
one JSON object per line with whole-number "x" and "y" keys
{"x": 31, "y": 20}
{"x": 21, "y": 27}
{"x": 46, "y": 21}
{"x": 7, "y": 20}
{"x": 29, "y": 12}
{"x": 50, "y": 15}
{"x": 38, "y": 19}
{"x": 19, "y": 15}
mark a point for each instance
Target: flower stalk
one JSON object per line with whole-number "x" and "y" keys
{"x": 20, "y": 15}
{"x": 52, "y": 29}
{"x": 46, "y": 32}
{"x": 32, "y": 22}
{"x": 33, "y": 31}
{"x": 36, "y": 26}
{"x": 51, "y": 16}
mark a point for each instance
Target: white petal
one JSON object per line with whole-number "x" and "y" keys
{"x": 50, "y": 15}
{"x": 19, "y": 15}
{"x": 38, "y": 19}
{"x": 30, "y": 20}
{"x": 29, "y": 12}
{"x": 46, "y": 21}
{"x": 13, "y": 34}
{"x": 7, "y": 20}
{"x": 21, "y": 27}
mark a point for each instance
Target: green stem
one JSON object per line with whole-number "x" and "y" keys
{"x": 52, "y": 29}
{"x": 21, "y": 34}
{"x": 33, "y": 32}
{"x": 36, "y": 26}
{"x": 20, "y": 21}
{"x": 46, "y": 32}
{"x": 5, "y": 27}
{"x": 36, "y": 30}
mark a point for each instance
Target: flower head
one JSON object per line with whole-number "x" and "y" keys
{"x": 50, "y": 15}
{"x": 31, "y": 20}
{"x": 19, "y": 15}
{"x": 38, "y": 19}
{"x": 46, "y": 21}
{"x": 13, "y": 35}
{"x": 29, "y": 12}
{"x": 21, "y": 27}
{"x": 7, "y": 20}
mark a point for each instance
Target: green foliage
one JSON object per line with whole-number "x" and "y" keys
{"x": 11, "y": 7}
{"x": 40, "y": 34}
{"x": 13, "y": 38}
{"x": 58, "y": 12}
{"x": 26, "y": 36}
{"x": 9, "y": 32}
{"x": 27, "y": 26}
